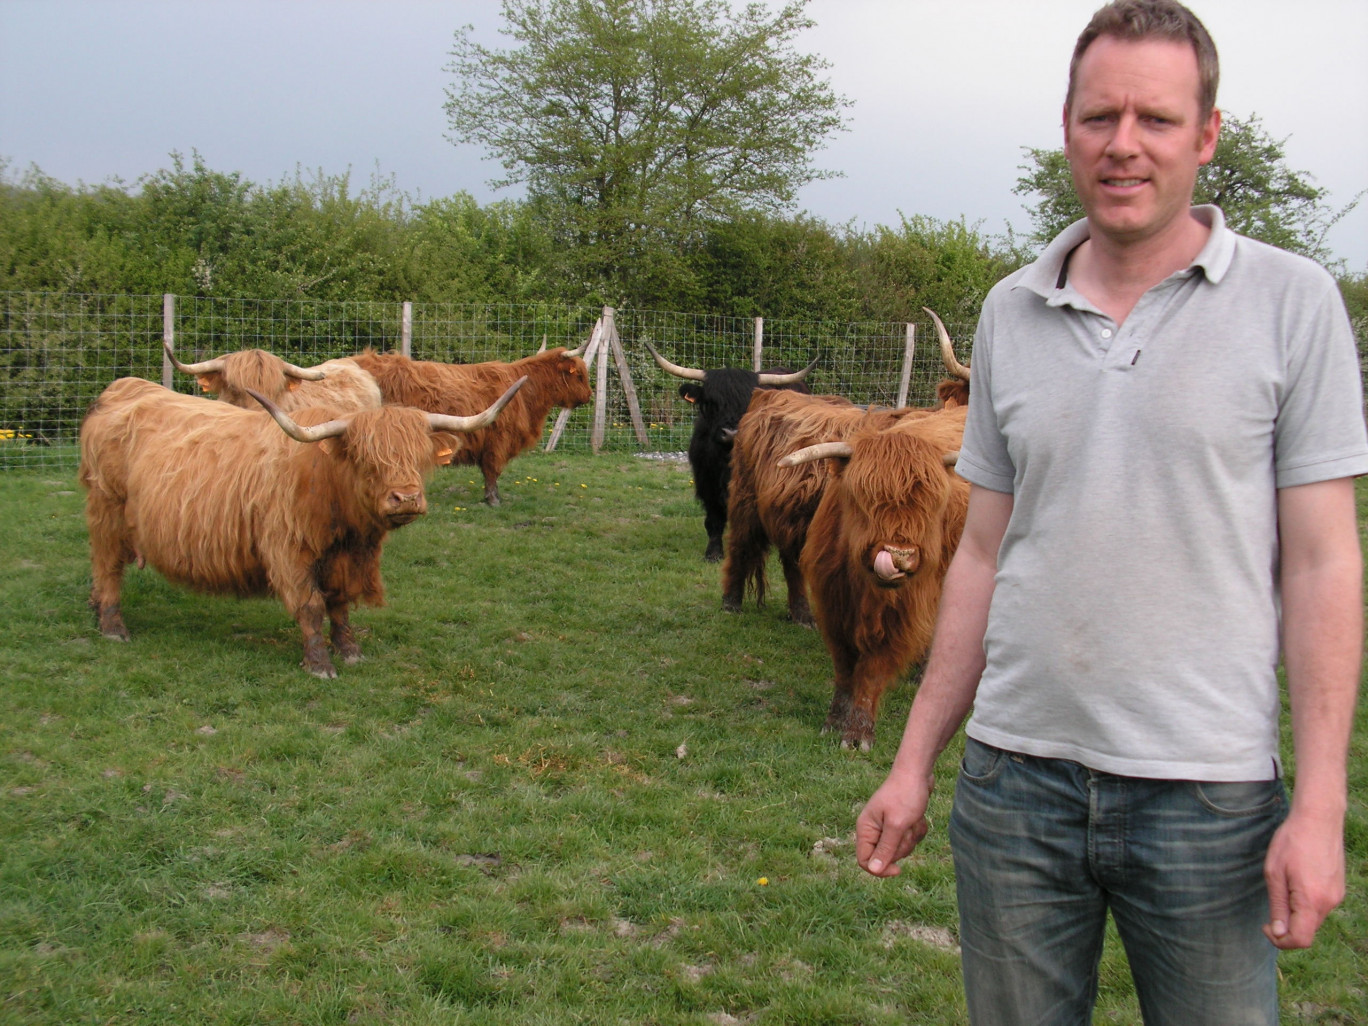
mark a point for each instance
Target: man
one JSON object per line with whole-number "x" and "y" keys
{"x": 1165, "y": 424}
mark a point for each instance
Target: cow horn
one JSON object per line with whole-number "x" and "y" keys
{"x": 951, "y": 458}
{"x": 820, "y": 451}
{"x": 579, "y": 350}
{"x": 789, "y": 379}
{"x": 688, "y": 373}
{"x": 953, "y": 365}
{"x": 445, "y": 422}
{"x": 304, "y": 373}
{"x": 543, "y": 346}
{"x": 317, "y": 433}
{"x": 206, "y": 367}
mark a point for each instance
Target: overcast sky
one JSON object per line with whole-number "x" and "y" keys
{"x": 947, "y": 93}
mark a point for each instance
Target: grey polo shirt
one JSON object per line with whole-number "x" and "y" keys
{"x": 1134, "y": 621}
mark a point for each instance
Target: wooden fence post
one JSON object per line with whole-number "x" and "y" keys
{"x": 168, "y": 337}
{"x": 759, "y": 344}
{"x": 590, "y": 351}
{"x": 625, "y": 375}
{"x": 406, "y": 330}
{"x": 908, "y": 350}
{"x": 601, "y": 386}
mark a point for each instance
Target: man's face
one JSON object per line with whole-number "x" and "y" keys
{"x": 1135, "y": 137}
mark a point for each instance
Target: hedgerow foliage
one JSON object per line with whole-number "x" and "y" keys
{"x": 194, "y": 231}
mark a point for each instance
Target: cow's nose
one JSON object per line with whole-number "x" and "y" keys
{"x": 408, "y": 500}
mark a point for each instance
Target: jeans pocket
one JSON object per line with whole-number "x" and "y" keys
{"x": 1240, "y": 797}
{"x": 980, "y": 762}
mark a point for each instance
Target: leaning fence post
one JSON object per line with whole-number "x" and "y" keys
{"x": 406, "y": 330}
{"x": 907, "y": 364}
{"x": 590, "y": 351}
{"x": 625, "y": 376}
{"x": 168, "y": 337}
{"x": 601, "y": 385}
{"x": 759, "y": 344}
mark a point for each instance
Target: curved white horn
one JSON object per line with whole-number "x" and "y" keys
{"x": 317, "y": 433}
{"x": 304, "y": 373}
{"x": 789, "y": 379}
{"x": 446, "y": 422}
{"x": 205, "y": 367}
{"x": 953, "y": 365}
{"x": 820, "y": 451}
{"x": 688, "y": 373}
{"x": 951, "y": 458}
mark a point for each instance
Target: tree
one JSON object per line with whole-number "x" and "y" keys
{"x": 637, "y": 124}
{"x": 1248, "y": 179}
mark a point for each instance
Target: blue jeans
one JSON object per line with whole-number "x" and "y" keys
{"x": 1045, "y": 847}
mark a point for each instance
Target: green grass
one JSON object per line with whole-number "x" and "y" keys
{"x": 550, "y": 794}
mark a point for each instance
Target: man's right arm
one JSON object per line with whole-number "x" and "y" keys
{"x": 894, "y": 820}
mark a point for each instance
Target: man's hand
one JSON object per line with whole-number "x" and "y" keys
{"x": 892, "y": 824}
{"x": 1304, "y": 870}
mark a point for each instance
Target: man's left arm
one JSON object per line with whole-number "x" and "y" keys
{"x": 1322, "y": 638}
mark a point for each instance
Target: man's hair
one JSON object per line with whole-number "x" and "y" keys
{"x": 1136, "y": 20}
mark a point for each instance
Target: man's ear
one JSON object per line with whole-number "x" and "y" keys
{"x": 1211, "y": 135}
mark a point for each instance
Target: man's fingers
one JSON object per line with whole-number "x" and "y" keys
{"x": 894, "y": 845}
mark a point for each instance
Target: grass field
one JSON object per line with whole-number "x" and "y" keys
{"x": 563, "y": 788}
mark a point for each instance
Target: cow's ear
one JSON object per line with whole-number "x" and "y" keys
{"x": 211, "y": 383}
{"x": 691, "y": 392}
{"x": 444, "y": 446}
{"x": 291, "y": 384}
{"x": 331, "y": 446}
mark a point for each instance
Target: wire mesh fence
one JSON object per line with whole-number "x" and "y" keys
{"x": 58, "y": 351}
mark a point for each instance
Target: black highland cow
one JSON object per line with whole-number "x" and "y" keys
{"x": 720, "y": 398}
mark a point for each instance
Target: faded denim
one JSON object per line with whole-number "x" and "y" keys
{"x": 1044, "y": 848}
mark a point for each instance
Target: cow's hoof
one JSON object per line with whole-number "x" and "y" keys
{"x": 112, "y": 625}
{"x": 352, "y": 658}
{"x": 731, "y": 606}
{"x": 328, "y": 672}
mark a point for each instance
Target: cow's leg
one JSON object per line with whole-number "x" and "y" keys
{"x": 872, "y": 677}
{"x": 343, "y": 639}
{"x": 110, "y": 551}
{"x": 799, "y": 610}
{"x": 308, "y": 606}
{"x": 747, "y": 548}
{"x": 843, "y": 660}
{"x": 316, "y": 659}
{"x": 491, "y": 474}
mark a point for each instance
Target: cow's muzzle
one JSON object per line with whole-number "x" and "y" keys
{"x": 893, "y": 564}
{"x": 404, "y": 507}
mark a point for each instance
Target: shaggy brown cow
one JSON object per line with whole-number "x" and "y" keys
{"x": 340, "y": 384}
{"x": 220, "y": 500}
{"x": 556, "y": 377}
{"x": 877, "y": 550}
{"x": 773, "y": 504}
{"x": 770, "y": 503}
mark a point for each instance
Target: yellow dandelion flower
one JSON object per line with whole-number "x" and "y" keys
{"x": 763, "y": 881}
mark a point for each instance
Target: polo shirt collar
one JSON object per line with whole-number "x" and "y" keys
{"x": 1043, "y": 276}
